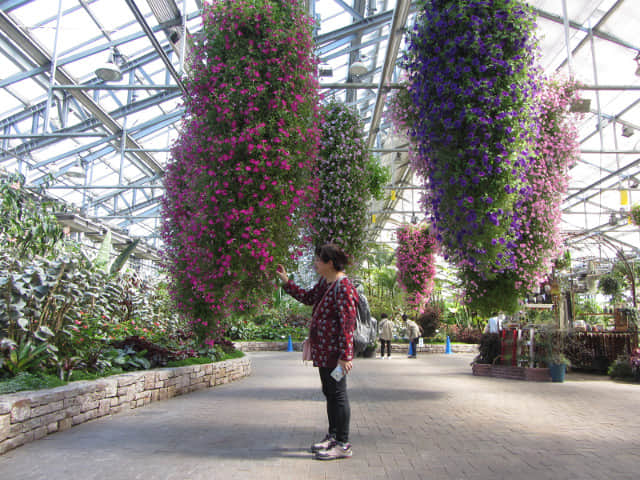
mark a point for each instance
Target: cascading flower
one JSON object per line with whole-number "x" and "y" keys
{"x": 348, "y": 179}
{"x": 493, "y": 140}
{"x": 471, "y": 81}
{"x": 556, "y": 151}
{"x": 241, "y": 177}
{"x": 415, "y": 261}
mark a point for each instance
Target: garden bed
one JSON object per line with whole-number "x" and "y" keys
{"x": 31, "y": 415}
{"x": 512, "y": 373}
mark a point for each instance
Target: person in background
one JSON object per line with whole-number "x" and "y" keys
{"x": 494, "y": 324}
{"x": 413, "y": 333}
{"x": 386, "y": 335}
{"x": 333, "y": 320}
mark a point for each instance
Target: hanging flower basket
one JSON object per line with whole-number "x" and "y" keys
{"x": 635, "y": 214}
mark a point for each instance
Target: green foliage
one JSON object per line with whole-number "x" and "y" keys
{"x": 25, "y": 356}
{"x": 121, "y": 259}
{"x": 101, "y": 262}
{"x": 219, "y": 356}
{"x": 489, "y": 348}
{"x": 550, "y": 345}
{"x": 429, "y": 320}
{"x": 621, "y": 368}
{"x": 378, "y": 176}
{"x": 29, "y": 381}
{"x": 563, "y": 262}
{"x": 27, "y": 224}
{"x": 610, "y": 285}
{"x": 127, "y": 358}
{"x": 266, "y": 327}
{"x": 498, "y": 294}
{"x": 189, "y": 361}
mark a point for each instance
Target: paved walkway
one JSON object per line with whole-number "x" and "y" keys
{"x": 411, "y": 419}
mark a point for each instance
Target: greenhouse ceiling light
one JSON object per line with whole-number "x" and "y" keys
{"x": 75, "y": 171}
{"x": 358, "y": 68}
{"x": 637, "y": 59}
{"x": 109, "y": 71}
{"x": 627, "y": 131}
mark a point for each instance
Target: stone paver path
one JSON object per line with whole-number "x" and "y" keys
{"x": 411, "y": 419}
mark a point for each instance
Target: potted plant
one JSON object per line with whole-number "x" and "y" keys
{"x": 550, "y": 351}
{"x": 558, "y": 363}
{"x": 370, "y": 350}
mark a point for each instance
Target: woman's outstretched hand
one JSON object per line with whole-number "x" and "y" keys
{"x": 282, "y": 273}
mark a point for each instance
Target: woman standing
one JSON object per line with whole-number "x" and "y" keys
{"x": 333, "y": 320}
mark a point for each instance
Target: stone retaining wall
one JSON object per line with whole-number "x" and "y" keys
{"x": 395, "y": 347}
{"x": 28, "y": 416}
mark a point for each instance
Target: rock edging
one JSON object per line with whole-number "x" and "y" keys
{"x": 31, "y": 415}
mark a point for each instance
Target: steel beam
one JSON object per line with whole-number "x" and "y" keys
{"x": 42, "y": 58}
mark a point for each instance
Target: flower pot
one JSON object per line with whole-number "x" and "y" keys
{"x": 557, "y": 372}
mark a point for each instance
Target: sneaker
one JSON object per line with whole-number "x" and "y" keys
{"x": 388, "y": 357}
{"x": 328, "y": 442}
{"x": 338, "y": 450}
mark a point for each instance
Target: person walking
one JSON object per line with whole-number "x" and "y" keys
{"x": 333, "y": 321}
{"x": 386, "y": 335}
{"x": 413, "y": 333}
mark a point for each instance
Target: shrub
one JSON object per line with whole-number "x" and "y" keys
{"x": 429, "y": 320}
{"x": 489, "y": 348}
{"x": 621, "y": 368}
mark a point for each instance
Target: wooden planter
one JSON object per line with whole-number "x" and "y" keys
{"x": 513, "y": 373}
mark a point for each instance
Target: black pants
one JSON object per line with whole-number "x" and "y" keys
{"x": 382, "y": 344}
{"x": 338, "y": 409}
{"x": 414, "y": 343}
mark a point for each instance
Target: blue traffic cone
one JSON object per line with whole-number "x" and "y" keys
{"x": 289, "y": 345}
{"x": 447, "y": 348}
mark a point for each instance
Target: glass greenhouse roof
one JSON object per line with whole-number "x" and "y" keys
{"x": 101, "y": 145}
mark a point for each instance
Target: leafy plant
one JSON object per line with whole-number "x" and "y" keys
{"x": 26, "y": 356}
{"x": 429, "y": 320}
{"x": 27, "y": 224}
{"x": 621, "y": 368}
{"x": 127, "y": 358}
{"x": 610, "y": 285}
{"x": 550, "y": 345}
{"x": 489, "y": 348}
{"x": 29, "y": 381}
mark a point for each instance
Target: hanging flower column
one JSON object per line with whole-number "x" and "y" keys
{"x": 240, "y": 183}
{"x": 415, "y": 260}
{"x": 472, "y": 84}
{"x": 348, "y": 179}
{"x": 471, "y": 81}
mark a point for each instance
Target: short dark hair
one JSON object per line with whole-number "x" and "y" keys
{"x": 404, "y": 316}
{"x": 383, "y": 315}
{"x": 331, "y": 252}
